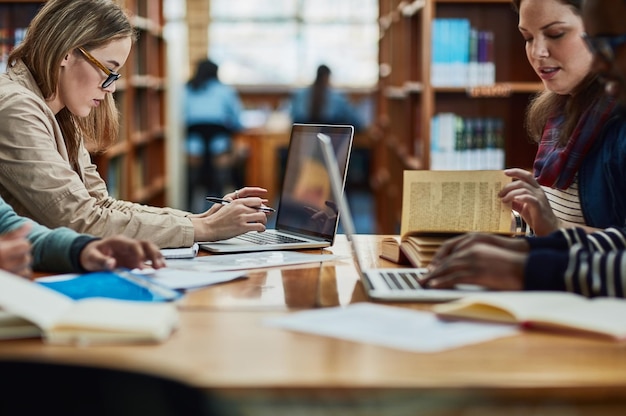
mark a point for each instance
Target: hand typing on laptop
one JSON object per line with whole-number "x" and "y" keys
{"x": 394, "y": 284}
{"x": 473, "y": 259}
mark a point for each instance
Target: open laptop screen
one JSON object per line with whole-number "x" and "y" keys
{"x": 306, "y": 203}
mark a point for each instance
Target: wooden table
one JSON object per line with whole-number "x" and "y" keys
{"x": 223, "y": 347}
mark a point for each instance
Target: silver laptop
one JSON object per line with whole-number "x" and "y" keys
{"x": 306, "y": 215}
{"x": 397, "y": 284}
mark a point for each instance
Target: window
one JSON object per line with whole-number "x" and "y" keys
{"x": 282, "y": 42}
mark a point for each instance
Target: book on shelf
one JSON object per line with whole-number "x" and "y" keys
{"x": 439, "y": 205}
{"x": 9, "y": 39}
{"x": 557, "y": 311}
{"x": 462, "y": 143}
{"x": 462, "y": 55}
{"x": 30, "y": 309}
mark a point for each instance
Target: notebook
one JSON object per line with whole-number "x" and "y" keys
{"x": 118, "y": 284}
{"x": 306, "y": 215}
{"x": 394, "y": 284}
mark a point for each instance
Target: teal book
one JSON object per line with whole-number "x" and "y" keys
{"x": 118, "y": 284}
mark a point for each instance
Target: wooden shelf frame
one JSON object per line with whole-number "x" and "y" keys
{"x": 407, "y": 100}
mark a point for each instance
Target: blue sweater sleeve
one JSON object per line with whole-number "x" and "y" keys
{"x": 52, "y": 250}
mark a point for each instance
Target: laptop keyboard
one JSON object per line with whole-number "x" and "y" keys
{"x": 402, "y": 280}
{"x": 268, "y": 238}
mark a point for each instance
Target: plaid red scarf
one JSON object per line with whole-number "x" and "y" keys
{"x": 556, "y": 166}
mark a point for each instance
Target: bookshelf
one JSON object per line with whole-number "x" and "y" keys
{"x": 134, "y": 167}
{"x": 408, "y": 100}
{"x": 14, "y": 18}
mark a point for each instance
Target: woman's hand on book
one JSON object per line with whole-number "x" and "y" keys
{"x": 488, "y": 260}
{"x": 527, "y": 198}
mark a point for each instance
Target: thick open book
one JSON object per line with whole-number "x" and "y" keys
{"x": 548, "y": 310}
{"x": 414, "y": 247}
{"x": 30, "y": 309}
{"x": 438, "y": 205}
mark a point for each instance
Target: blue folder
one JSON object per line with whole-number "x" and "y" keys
{"x": 118, "y": 284}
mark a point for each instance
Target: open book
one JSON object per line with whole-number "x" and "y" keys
{"x": 547, "y": 310}
{"x": 416, "y": 248}
{"x": 438, "y": 205}
{"x": 29, "y": 309}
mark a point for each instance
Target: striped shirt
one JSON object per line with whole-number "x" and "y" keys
{"x": 566, "y": 204}
{"x": 572, "y": 260}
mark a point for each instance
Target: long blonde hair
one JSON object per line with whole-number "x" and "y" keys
{"x": 58, "y": 29}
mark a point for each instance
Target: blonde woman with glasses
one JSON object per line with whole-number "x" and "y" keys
{"x": 55, "y": 97}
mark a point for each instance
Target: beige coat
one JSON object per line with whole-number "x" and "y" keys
{"x": 37, "y": 180}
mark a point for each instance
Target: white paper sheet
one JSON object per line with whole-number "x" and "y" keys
{"x": 393, "y": 327}
{"x": 188, "y": 279}
{"x": 171, "y": 278}
{"x": 248, "y": 261}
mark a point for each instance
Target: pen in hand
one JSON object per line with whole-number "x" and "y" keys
{"x": 217, "y": 200}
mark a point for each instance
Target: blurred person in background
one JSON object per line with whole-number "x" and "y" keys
{"x": 212, "y": 112}
{"x": 320, "y": 103}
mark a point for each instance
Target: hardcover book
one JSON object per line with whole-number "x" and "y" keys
{"x": 439, "y": 205}
{"x": 30, "y": 309}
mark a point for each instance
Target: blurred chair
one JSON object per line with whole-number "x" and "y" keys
{"x": 30, "y": 388}
{"x": 214, "y": 172}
